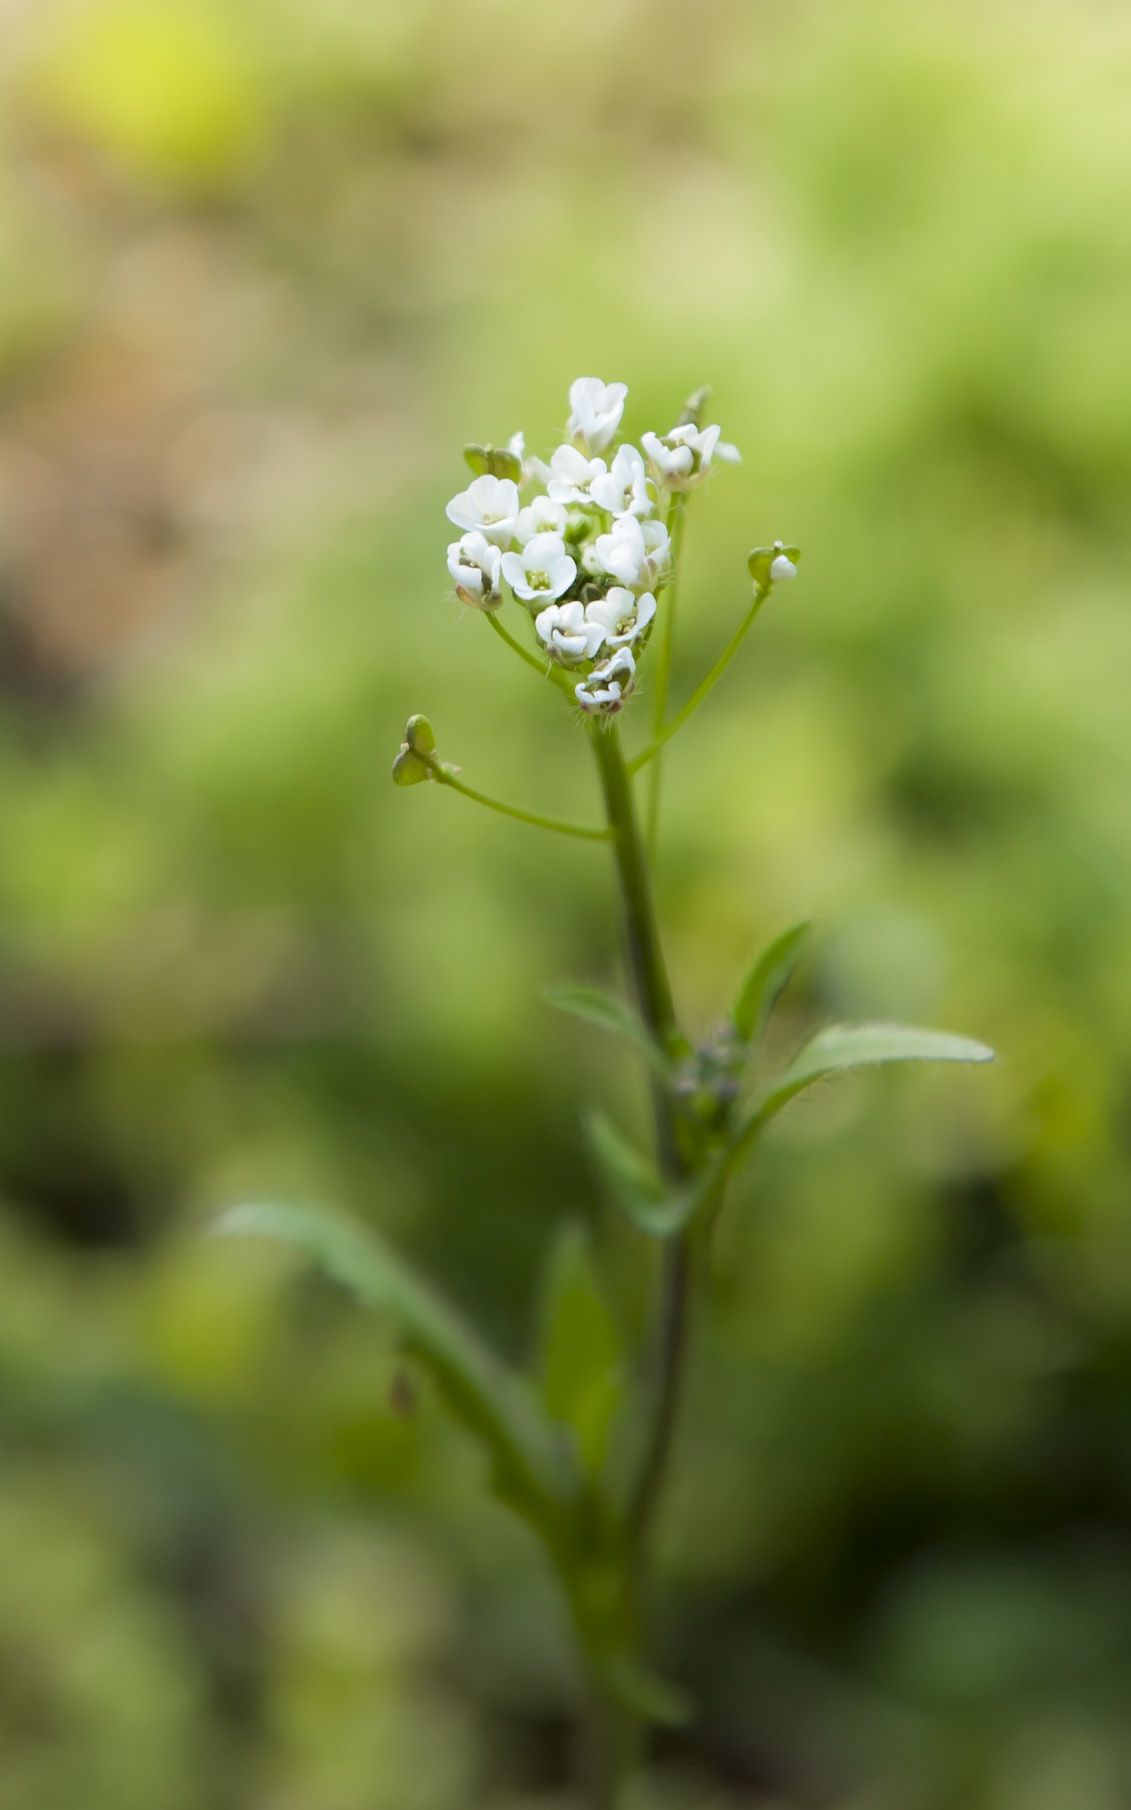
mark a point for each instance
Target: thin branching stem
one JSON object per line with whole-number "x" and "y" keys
{"x": 446, "y": 777}
{"x": 544, "y": 668}
{"x": 651, "y": 753}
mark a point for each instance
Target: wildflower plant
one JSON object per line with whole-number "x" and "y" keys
{"x": 588, "y": 546}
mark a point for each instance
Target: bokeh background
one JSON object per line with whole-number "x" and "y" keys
{"x": 265, "y": 265}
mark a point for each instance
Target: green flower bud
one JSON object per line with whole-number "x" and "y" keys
{"x": 771, "y": 565}
{"x": 695, "y": 407}
{"x": 493, "y": 461}
{"x": 414, "y": 760}
{"x": 408, "y": 768}
{"x": 418, "y": 735}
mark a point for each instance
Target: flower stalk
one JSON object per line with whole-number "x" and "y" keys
{"x": 589, "y": 545}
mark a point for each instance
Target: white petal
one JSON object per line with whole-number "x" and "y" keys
{"x": 513, "y": 570}
{"x": 561, "y": 574}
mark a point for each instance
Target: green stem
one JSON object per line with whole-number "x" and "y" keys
{"x": 614, "y": 1752}
{"x": 654, "y": 997}
{"x": 651, "y": 753}
{"x": 662, "y": 676}
{"x": 544, "y": 668}
{"x": 646, "y": 957}
{"x": 446, "y": 777}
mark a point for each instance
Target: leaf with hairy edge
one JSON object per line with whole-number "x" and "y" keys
{"x": 582, "y": 1351}
{"x": 767, "y": 981}
{"x": 635, "y": 1183}
{"x": 845, "y": 1046}
{"x": 611, "y": 1014}
{"x": 478, "y": 1388}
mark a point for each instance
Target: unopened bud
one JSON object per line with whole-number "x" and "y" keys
{"x": 695, "y": 407}
{"x": 413, "y": 762}
{"x": 419, "y": 735}
{"x": 493, "y": 462}
{"x": 408, "y": 768}
{"x": 771, "y": 565}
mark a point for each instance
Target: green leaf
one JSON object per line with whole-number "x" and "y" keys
{"x": 844, "y": 1046}
{"x": 582, "y": 1355}
{"x": 477, "y": 1387}
{"x": 767, "y": 981}
{"x": 611, "y": 1014}
{"x": 635, "y": 1183}
{"x": 645, "y": 1693}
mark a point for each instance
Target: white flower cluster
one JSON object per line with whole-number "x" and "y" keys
{"x": 581, "y": 541}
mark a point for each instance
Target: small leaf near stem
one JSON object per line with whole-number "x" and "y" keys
{"x": 611, "y": 1014}
{"x": 840, "y": 1047}
{"x": 677, "y": 510}
{"x": 766, "y": 982}
{"x": 665, "y": 734}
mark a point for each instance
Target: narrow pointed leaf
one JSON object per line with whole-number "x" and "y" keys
{"x": 611, "y": 1014}
{"x": 845, "y": 1046}
{"x": 582, "y": 1366}
{"x": 477, "y": 1387}
{"x": 637, "y": 1186}
{"x": 767, "y": 981}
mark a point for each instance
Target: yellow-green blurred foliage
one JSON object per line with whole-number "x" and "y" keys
{"x": 265, "y": 265}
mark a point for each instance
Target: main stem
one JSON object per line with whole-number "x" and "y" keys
{"x": 662, "y": 678}
{"x": 654, "y": 999}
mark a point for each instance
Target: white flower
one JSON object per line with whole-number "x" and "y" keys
{"x": 517, "y": 445}
{"x": 670, "y": 460}
{"x": 541, "y": 516}
{"x": 623, "y": 489}
{"x": 657, "y": 550}
{"x": 782, "y": 567}
{"x": 622, "y": 553}
{"x": 474, "y": 564}
{"x": 635, "y": 552}
{"x": 488, "y": 506}
{"x": 568, "y": 632}
{"x": 622, "y": 615}
{"x": 596, "y": 409}
{"x": 683, "y": 457}
{"x": 607, "y": 686}
{"x": 571, "y": 474}
{"x": 542, "y": 570}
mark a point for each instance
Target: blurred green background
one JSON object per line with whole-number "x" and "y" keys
{"x": 265, "y": 265}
